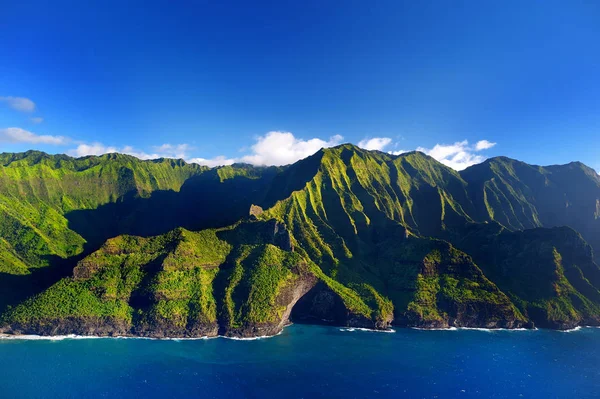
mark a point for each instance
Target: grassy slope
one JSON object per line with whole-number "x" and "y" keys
{"x": 345, "y": 219}
{"x": 522, "y": 196}
{"x": 172, "y": 274}
{"x": 549, "y": 273}
{"x": 37, "y": 191}
{"x": 173, "y": 282}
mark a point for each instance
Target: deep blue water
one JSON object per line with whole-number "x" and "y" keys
{"x": 311, "y": 361}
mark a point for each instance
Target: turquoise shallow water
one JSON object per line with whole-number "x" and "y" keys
{"x": 311, "y": 361}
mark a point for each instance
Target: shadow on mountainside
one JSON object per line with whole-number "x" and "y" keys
{"x": 216, "y": 198}
{"x": 204, "y": 201}
{"x": 15, "y": 288}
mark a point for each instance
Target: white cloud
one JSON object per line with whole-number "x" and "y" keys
{"x": 282, "y": 148}
{"x": 18, "y": 135}
{"x": 168, "y": 151}
{"x": 376, "y": 143}
{"x": 484, "y": 145}
{"x": 91, "y": 149}
{"x": 216, "y": 161}
{"x": 459, "y": 155}
{"x": 19, "y": 103}
{"x": 274, "y": 148}
{"x": 36, "y": 119}
{"x": 173, "y": 150}
{"x": 129, "y": 150}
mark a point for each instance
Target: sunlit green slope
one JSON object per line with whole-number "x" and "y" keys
{"x": 353, "y": 237}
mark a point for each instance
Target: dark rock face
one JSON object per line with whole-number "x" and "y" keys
{"x": 282, "y": 237}
{"x": 287, "y": 298}
{"x": 162, "y": 329}
{"x": 109, "y": 327}
{"x": 263, "y": 232}
{"x": 466, "y": 315}
{"x": 80, "y": 326}
{"x": 481, "y": 315}
{"x": 321, "y": 305}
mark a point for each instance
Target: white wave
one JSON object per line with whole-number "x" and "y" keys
{"x": 571, "y": 330}
{"x": 251, "y": 338}
{"x": 247, "y": 338}
{"x": 496, "y": 329}
{"x": 435, "y": 329}
{"x": 73, "y": 336}
{"x": 48, "y": 337}
{"x": 476, "y": 329}
{"x": 187, "y": 338}
{"x": 490, "y": 330}
{"x": 350, "y": 329}
{"x": 30, "y": 337}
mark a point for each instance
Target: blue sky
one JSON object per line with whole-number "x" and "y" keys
{"x": 271, "y": 82}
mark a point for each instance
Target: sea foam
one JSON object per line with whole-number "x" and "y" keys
{"x": 351, "y": 329}
{"x": 571, "y": 330}
{"x": 31, "y": 337}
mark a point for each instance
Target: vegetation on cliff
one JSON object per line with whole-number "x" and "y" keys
{"x": 367, "y": 237}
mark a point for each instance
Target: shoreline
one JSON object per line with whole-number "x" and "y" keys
{"x": 33, "y": 337}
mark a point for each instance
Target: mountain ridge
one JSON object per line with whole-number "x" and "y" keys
{"x": 21, "y": 155}
{"x": 375, "y": 239}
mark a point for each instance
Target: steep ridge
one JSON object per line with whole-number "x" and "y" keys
{"x": 57, "y": 206}
{"x": 521, "y": 196}
{"x": 353, "y": 186}
{"x": 549, "y": 273}
{"x": 364, "y": 211}
{"x": 38, "y": 190}
{"x": 55, "y": 209}
{"x": 369, "y": 237}
{"x": 237, "y": 281}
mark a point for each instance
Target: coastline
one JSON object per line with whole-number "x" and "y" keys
{"x": 34, "y": 337}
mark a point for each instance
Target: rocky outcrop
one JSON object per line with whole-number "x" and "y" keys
{"x": 484, "y": 315}
{"x": 108, "y": 327}
{"x": 85, "y": 269}
{"x": 287, "y": 298}
{"x": 321, "y": 305}
{"x": 255, "y": 211}
{"x": 261, "y": 232}
{"x": 473, "y": 315}
{"x": 91, "y": 326}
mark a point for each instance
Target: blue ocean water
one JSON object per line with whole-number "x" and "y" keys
{"x": 311, "y": 361}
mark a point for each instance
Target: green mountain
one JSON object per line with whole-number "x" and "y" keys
{"x": 113, "y": 245}
{"x": 521, "y": 196}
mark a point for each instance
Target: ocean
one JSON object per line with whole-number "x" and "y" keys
{"x": 309, "y": 362}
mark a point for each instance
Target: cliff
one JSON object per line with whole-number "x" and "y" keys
{"x": 346, "y": 237}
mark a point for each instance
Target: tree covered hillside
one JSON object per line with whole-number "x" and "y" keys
{"x": 116, "y": 245}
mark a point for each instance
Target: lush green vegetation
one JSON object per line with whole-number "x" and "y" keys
{"x": 387, "y": 235}
{"x": 38, "y": 191}
{"x": 549, "y": 273}
{"x": 172, "y": 274}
